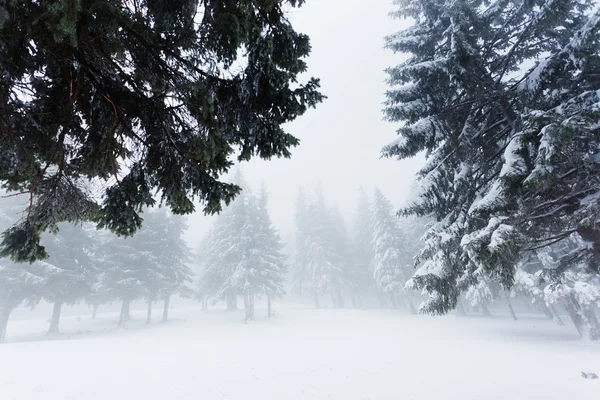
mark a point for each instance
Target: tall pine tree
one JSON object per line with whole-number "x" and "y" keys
{"x": 510, "y": 150}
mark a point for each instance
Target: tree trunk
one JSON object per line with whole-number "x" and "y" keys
{"x": 204, "y": 303}
{"x": 574, "y": 315}
{"x": 269, "y": 310}
{"x": 593, "y": 326}
{"x": 340, "y": 298}
{"x": 149, "y": 315}
{"x": 55, "y": 317}
{"x": 510, "y": 307}
{"x": 231, "y": 302}
{"x": 333, "y": 299}
{"x": 248, "y": 306}
{"x": 94, "y": 311}
{"x": 8, "y": 307}
{"x": 165, "y": 316}
{"x": 316, "y": 299}
{"x": 556, "y": 317}
{"x": 353, "y": 299}
{"x": 484, "y": 309}
{"x": 393, "y": 301}
{"x": 124, "y": 316}
{"x": 583, "y": 318}
{"x": 541, "y": 305}
{"x": 460, "y": 308}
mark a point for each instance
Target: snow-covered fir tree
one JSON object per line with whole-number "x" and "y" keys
{"x": 124, "y": 272}
{"x": 362, "y": 246}
{"x": 221, "y": 249}
{"x": 390, "y": 264}
{"x": 242, "y": 254}
{"x": 269, "y": 260}
{"x": 167, "y": 271}
{"x": 70, "y": 271}
{"x": 320, "y": 262}
{"x": 511, "y": 150}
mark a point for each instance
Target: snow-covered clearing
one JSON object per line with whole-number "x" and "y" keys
{"x": 299, "y": 354}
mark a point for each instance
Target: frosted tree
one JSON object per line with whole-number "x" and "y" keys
{"x": 389, "y": 258}
{"x": 300, "y": 276}
{"x": 70, "y": 271}
{"x": 223, "y": 249}
{"x": 362, "y": 245}
{"x": 510, "y": 150}
{"x": 124, "y": 272}
{"x": 319, "y": 263}
{"x": 350, "y": 274}
{"x": 269, "y": 261}
{"x": 167, "y": 272}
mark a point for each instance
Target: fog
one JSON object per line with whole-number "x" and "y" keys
{"x": 341, "y": 140}
{"x": 304, "y": 290}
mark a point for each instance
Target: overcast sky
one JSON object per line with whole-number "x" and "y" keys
{"x": 341, "y": 140}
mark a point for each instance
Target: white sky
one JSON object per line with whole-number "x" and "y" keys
{"x": 341, "y": 140}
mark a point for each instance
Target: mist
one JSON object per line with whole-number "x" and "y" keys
{"x": 350, "y": 270}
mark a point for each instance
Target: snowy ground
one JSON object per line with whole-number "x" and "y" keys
{"x": 298, "y": 354}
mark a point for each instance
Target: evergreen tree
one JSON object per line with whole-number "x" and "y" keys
{"x": 389, "y": 260}
{"x": 242, "y": 254}
{"x": 510, "y": 151}
{"x": 269, "y": 261}
{"x": 70, "y": 272}
{"x": 319, "y": 264}
{"x": 342, "y": 246}
{"x": 362, "y": 253}
{"x": 301, "y": 240}
{"x": 224, "y": 249}
{"x": 125, "y": 271}
{"x": 166, "y": 268}
{"x": 144, "y": 97}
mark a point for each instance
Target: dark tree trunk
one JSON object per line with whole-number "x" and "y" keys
{"x": 94, "y": 311}
{"x": 340, "y": 298}
{"x": 165, "y": 316}
{"x": 316, "y": 299}
{"x": 55, "y": 317}
{"x": 269, "y": 310}
{"x": 484, "y": 309}
{"x": 149, "y": 315}
{"x": 510, "y": 307}
{"x": 8, "y": 307}
{"x": 556, "y": 317}
{"x": 124, "y": 316}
